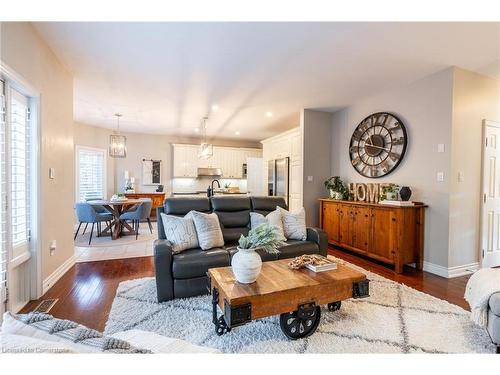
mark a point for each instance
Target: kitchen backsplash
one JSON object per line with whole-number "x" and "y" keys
{"x": 186, "y": 185}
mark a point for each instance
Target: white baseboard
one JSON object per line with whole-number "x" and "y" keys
{"x": 451, "y": 272}
{"x": 57, "y": 274}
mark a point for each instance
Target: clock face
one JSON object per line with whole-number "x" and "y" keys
{"x": 378, "y": 145}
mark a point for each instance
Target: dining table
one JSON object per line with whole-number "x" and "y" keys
{"x": 117, "y": 227}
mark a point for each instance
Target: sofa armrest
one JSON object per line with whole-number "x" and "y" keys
{"x": 320, "y": 237}
{"x": 163, "y": 270}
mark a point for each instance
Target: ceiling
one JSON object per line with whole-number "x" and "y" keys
{"x": 164, "y": 77}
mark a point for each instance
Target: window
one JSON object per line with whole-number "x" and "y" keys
{"x": 19, "y": 176}
{"x": 90, "y": 173}
{"x": 3, "y": 192}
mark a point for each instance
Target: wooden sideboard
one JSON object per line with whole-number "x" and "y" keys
{"x": 157, "y": 198}
{"x": 391, "y": 234}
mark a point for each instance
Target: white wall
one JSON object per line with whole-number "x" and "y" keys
{"x": 425, "y": 107}
{"x": 28, "y": 55}
{"x": 475, "y": 98}
{"x": 316, "y": 127}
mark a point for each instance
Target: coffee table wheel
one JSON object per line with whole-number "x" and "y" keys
{"x": 221, "y": 326}
{"x": 334, "y": 306}
{"x": 299, "y": 324}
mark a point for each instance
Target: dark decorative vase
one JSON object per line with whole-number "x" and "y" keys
{"x": 405, "y": 193}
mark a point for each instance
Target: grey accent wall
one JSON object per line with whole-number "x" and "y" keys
{"x": 316, "y": 129}
{"x": 425, "y": 107}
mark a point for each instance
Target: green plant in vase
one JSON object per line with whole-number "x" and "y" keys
{"x": 336, "y": 188}
{"x": 389, "y": 192}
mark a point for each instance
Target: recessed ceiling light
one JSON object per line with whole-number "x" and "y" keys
{"x": 196, "y": 130}
{"x": 237, "y": 132}
{"x": 269, "y": 114}
{"x": 215, "y": 107}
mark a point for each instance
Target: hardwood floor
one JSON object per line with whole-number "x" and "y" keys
{"x": 87, "y": 290}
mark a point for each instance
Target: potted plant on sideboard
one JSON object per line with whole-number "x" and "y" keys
{"x": 247, "y": 263}
{"x": 336, "y": 188}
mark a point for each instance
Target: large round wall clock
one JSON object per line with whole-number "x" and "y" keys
{"x": 378, "y": 145}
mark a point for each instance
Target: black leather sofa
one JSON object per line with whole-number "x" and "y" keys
{"x": 184, "y": 274}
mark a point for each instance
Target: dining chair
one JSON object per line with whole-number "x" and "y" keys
{"x": 87, "y": 214}
{"x": 142, "y": 212}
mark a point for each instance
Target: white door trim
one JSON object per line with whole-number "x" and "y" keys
{"x": 22, "y": 85}
{"x": 486, "y": 123}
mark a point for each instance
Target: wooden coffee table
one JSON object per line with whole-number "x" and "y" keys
{"x": 294, "y": 294}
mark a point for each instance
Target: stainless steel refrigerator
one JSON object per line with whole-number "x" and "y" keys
{"x": 278, "y": 178}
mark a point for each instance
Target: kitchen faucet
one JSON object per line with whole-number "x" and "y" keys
{"x": 210, "y": 190}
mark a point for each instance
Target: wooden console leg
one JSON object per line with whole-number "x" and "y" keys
{"x": 398, "y": 267}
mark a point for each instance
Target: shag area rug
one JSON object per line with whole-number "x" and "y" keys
{"x": 394, "y": 319}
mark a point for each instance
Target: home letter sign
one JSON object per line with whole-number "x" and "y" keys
{"x": 365, "y": 192}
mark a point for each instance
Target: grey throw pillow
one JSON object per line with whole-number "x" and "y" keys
{"x": 272, "y": 218}
{"x": 294, "y": 224}
{"x": 180, "y": 231}
{"x": 208, "y": 230}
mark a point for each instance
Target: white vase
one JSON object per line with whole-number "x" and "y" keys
{"x": 246, "y": 265}
{"x": 335, "y": 195}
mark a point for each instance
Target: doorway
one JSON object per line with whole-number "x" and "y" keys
{"x": 490, "y": 195}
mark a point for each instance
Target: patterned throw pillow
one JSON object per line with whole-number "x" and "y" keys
{"x": 208, "y": 230}
{"x": 272, "y": 218}
{"x": 294, "y": 224}
{"x": 180, "y": 231}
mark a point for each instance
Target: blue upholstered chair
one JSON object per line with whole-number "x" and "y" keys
{"x": 98, "y": 209}
{"x": 142, "y": 212}
{"x": 87, "y": 214}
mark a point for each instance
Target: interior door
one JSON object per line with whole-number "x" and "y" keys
{"x": 490, "y": 200}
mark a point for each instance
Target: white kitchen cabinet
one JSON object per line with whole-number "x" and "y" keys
{"x": 186, "y": 161}
{"x": 229, "y": 159}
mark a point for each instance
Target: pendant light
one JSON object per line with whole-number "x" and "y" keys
{"x": 117, "y": 142}
{"x": 206, "y": 149}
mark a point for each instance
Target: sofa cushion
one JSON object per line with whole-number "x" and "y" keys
{"x": 180, "y": 231}
{"x": 294, "y": 248}
{"x": 232, "y": 235}
{"x": 495, "y": 303}
{"x": 272, "y": 218}
{"x": 208, "y": 230}
{"x": 182, "y": 205}
{"x": 294, "y": 224}
{"x": 231, "y": 204}
{"x": 196, "y": 262}
{"x": 265, "y": 205}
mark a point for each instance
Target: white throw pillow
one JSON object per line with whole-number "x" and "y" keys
{"x": 294, "y": 224}
{"x": 160, "y": 344}
{"x": 10, "y": 343}
{"x": 180, "y": 231}
{"x": 208, "y": 230}
{"x": 272, "y": 218}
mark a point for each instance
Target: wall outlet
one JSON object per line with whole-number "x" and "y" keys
{"x": 440, "y": 176}
{"x": 52, "y": 247}
{"x": 441, "y": 147}
{"x": 309, "y": 178}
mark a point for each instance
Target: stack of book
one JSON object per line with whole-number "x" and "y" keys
{"x": 397, "y": 203}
